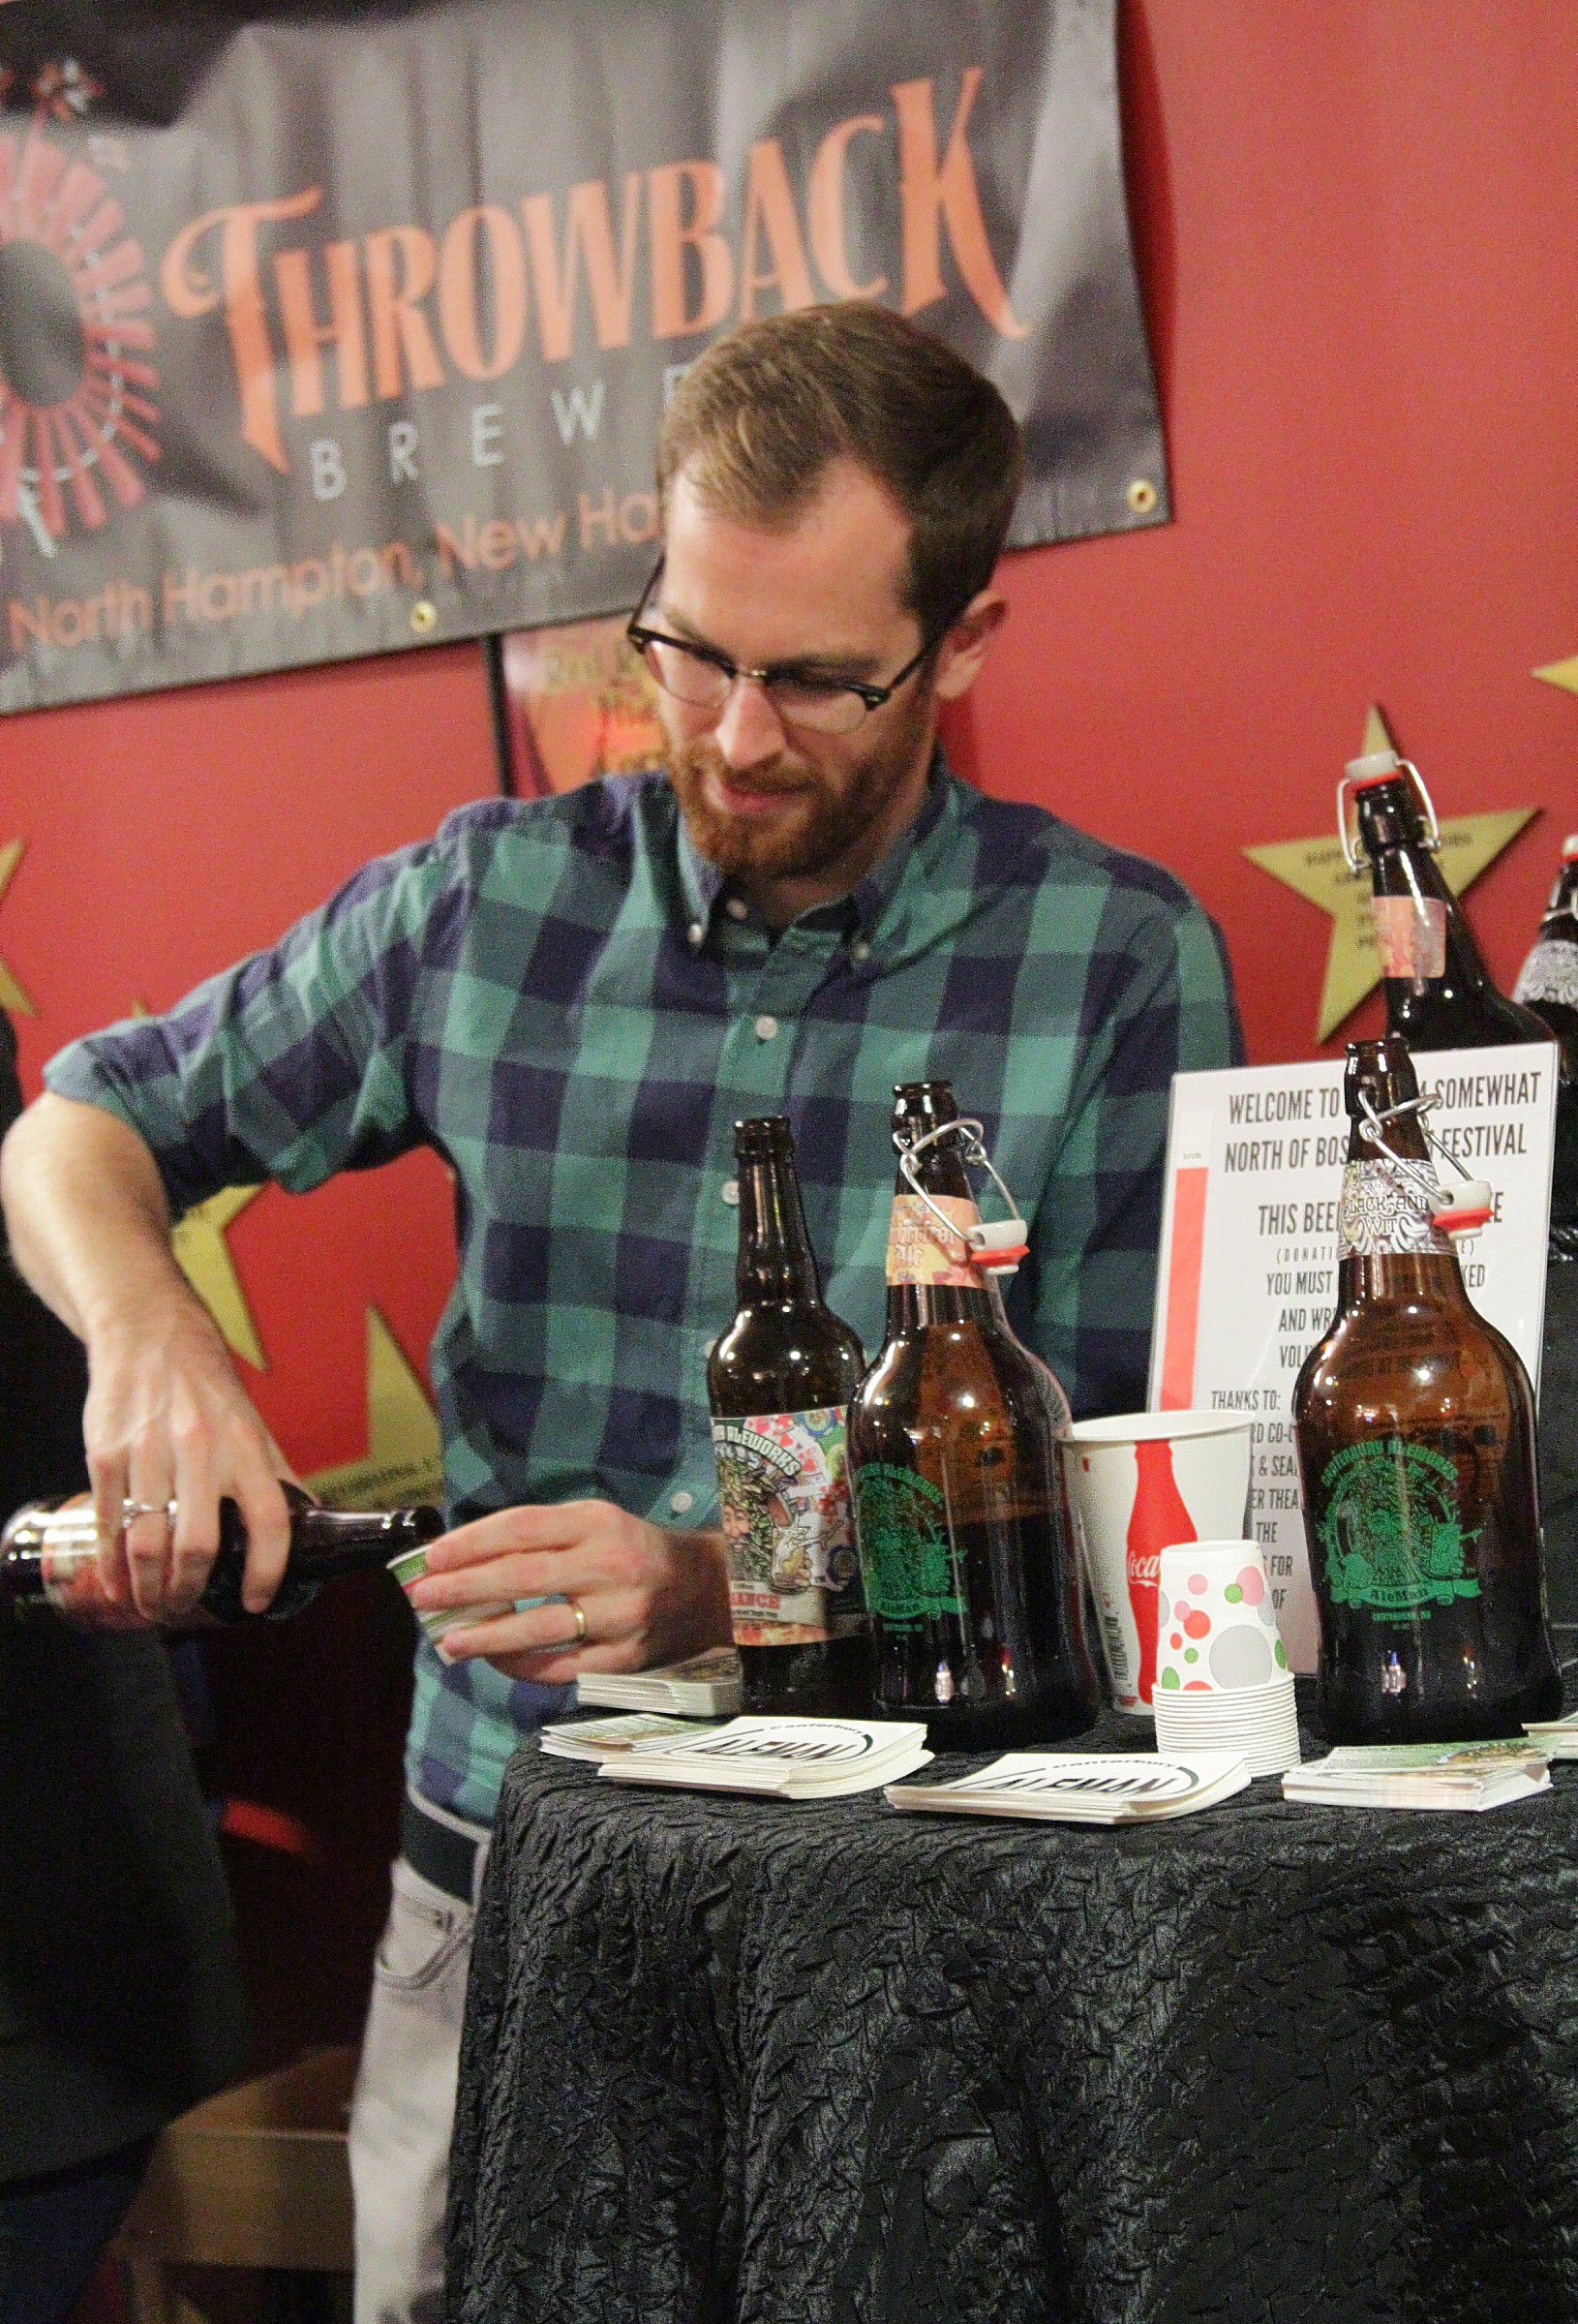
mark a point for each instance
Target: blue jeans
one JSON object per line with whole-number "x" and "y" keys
{"x": 53, "y": 2228}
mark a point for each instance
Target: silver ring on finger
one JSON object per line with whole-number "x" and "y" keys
{"x": 131, "y": 1509}
{"x": 580, "y": 1613}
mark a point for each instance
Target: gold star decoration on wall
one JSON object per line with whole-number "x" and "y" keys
{"x": 203, "y": 1257}
{"x": 1316, "y": 870}
{"x": 404, "y": 1461}
{"x": 1562, "y": 673}
{"x": 11, "y": 995}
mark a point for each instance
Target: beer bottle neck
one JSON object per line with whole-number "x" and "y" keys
{"x": 1439, "y": 990}
{"x": 1402, "y": 868}
{"x": 776, "y": 1264}
{"x": 913, "y": 1306}
{"x": 328, "y": 1542}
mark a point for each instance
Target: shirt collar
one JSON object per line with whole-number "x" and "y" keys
{"x": 859, "y": 913}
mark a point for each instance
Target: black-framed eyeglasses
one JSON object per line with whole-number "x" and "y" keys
{"x": 704, "y": 678}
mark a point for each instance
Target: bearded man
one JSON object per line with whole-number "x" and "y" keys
{"x": 572, "y": 999}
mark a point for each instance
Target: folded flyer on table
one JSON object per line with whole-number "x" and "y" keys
{"x": 785, "y": 1759}
{"x": 1422, "y": 1775}
{"x": 707, "y": 1686}
{"x": 1063, "y": 1787}
{"x": 607, "y": 1738}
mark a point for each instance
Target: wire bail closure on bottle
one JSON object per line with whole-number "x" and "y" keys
{"x": 1380, "y": 766}
{"x": 1464, "y": 1212}
{"x": 996, "y": 1247}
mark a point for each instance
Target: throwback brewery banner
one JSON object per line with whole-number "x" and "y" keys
{"x": 336, "y": 329}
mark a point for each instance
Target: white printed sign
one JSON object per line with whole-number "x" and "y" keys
{"x": 1248, "y": 1275}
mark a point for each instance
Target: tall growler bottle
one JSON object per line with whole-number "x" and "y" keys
{"x": 1439, "y": 991}
{"x": 1415, "y": 1436}
{"x": 1548, "y": 986}
{"x": 961, "y": 1516}
{"x": 49, "y": 1557}
{"x": 779, "y": 1382}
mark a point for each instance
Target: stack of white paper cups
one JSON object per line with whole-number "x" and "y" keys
{"x": 1137, "y": 1484}
{"x": 1222, "y": 1676}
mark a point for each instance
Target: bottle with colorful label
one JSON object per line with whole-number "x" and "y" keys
{"x": 1415, "y": 1433}
{"x": 961, "y": 1514}
{"x": 778, "y": 1383}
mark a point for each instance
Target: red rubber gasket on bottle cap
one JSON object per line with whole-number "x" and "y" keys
{"x": 1469, "y": 1207}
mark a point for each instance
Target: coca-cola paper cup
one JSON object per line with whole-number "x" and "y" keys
{"x": 1137, "y": 1484}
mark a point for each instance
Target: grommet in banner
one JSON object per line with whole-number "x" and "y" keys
{"x": 1142, "y": 496}
{"x": 423, "y": 616}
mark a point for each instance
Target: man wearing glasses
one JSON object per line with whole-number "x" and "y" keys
{"x": 573, "y": 999}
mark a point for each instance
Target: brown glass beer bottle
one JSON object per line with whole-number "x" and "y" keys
{"x": 1439, "y": 991}
{"x": 1415, "y": 1433}
{"x": 961, "y": 1516}
{"x": 48, "y": 1558}
{"x": 778, "y": 1383}
{"x": 1548, "y": 980}
{"x": 1548, "y": 986}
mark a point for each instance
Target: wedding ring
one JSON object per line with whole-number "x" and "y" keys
{"x": 146, "y": 1508}
{"x": 580, "y": 1613}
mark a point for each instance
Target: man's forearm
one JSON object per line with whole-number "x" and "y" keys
{"x": 86, "y": 1215}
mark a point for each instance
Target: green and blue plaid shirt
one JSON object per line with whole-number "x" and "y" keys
{"x": 564, "y": 1000}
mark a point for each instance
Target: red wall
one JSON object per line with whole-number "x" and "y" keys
{"x": 1356, "y": 225}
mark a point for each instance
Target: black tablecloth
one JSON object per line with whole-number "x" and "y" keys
{"x": 727, "y": 2059}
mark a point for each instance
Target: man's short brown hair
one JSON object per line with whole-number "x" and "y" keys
{"x": 758, "y": 419}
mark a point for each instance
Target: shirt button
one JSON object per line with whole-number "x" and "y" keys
{"x": 766, "y": 1027}
{"x": 694, "y": 934}
{"x": 860, "y": 950}
{"x": 731, "y": 1193}
{"x": 737, "y": 908}
{"x": 681, "y": 1501}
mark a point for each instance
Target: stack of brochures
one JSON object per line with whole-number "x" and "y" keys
{"x": 1422, "y": 1775}
{"x": 708, "y": 1686}
{"x": 784, "y": 1759}
{"x": 1061, "y": 1787}
{"x": 1557, "y": 1738}
{"x": 605, "y": 1739}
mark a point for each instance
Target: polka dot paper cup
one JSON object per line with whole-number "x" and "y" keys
{"x": 1216, "y": 1626}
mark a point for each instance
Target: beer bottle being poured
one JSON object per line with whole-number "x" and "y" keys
{"x": 48, "y": 1558}
{"x": 778, "y": 1383}
{"x": 1415, "y": 1425}
{"x": 961, "y": 1517}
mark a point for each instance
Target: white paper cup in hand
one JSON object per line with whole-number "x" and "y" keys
{"x": 1137, "y": 1484}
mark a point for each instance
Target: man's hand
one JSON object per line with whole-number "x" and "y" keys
{"x": 166, "y": 1418}
{"x": 647, "y": 1595}
{"x": 166, "y": 1421}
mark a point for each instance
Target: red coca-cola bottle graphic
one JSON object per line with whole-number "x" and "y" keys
{"x": 1158, "y": 1521}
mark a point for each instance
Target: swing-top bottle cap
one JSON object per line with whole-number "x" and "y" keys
{"x": 1466, "y": 1208}
{"x": 1569, "y": 847}
{"x": 1375, "y": 766}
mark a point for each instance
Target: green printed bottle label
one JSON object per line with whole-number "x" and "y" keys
{"x": 906, "y": 1556}
{"x": 1391, "y": 1531}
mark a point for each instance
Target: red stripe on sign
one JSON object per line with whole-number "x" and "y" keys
{"x": 1183, "y": 1290}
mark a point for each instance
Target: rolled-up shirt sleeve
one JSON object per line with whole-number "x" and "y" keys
{"x": 291, "y": 1066}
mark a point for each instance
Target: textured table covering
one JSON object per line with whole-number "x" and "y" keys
{"x": 793, "y": 2064}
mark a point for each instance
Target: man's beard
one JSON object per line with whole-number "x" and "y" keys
{"x": 825, "y": 822}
